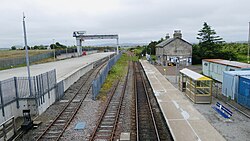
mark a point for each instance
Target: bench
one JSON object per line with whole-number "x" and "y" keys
{"x": 222, "y": 110}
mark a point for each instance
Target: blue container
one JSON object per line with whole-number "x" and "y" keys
{"x": 230, "y": 82}
{"x": 244, "y": 91}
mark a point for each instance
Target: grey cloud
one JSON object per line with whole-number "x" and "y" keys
{"x": 134, "y": 20}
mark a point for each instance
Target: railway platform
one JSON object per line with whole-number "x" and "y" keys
{"x": 184, "y": 121}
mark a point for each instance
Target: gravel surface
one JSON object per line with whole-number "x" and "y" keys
{"x": 87, "y": 113}
{"x": 125, "y": 113}
{"x": 235, "y": 129}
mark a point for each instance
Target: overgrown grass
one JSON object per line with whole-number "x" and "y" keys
{"x": 118, "y": 71}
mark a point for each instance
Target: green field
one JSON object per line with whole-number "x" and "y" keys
{"x": 20, "y": 53}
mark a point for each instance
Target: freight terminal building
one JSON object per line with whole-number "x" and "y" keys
{"x": 214, "y": 68}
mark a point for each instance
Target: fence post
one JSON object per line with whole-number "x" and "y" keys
{"x": 48, "y": 84}
{"x": 42, "y": 87}
{"x": 16, "y": 89}
{"x": 38, "y": 90}
{"x": 1, "y": 96}
{"x": 93, "y": 90}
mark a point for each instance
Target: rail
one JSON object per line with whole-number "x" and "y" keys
{"x": 112, "y": 102}
{"x": 70, "y": 115}
{"x": 8, "y": 129}
{"x": 140, "y": 110}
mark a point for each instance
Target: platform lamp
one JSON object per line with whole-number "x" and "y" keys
{"x": 27, "y": 55}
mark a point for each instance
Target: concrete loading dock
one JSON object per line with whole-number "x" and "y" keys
{"x": 67, "y": 72}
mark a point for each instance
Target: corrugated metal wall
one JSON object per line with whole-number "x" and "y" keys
{"x": 229, "y": 85}
{"x": 244, "y": 92}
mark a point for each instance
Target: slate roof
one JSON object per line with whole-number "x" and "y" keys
{"x": 166, "y": 42}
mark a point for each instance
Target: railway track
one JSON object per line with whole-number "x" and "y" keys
{"x": 57, "y": 127}
{"x": 148, "y": 122}
{"x": 108, "y": 121}
{"x": 145, "y": 121}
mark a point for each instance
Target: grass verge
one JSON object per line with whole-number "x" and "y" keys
{"x": 118, "y": 71}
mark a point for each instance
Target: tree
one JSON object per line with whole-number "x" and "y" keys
{"x": 13, "y": 48}
{"x": 210, "y": 44}
{"x": 208, "y": 35}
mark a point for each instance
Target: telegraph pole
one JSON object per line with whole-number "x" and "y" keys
{"x": 54, "y": 49}
{"x": 248, "y": 44}
{"x": 27, "y": 55}
{"x": 117, "y": 45}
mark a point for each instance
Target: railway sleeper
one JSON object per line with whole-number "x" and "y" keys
{"x": 106, "y": 126}
{"x": 108, "y": 122}
{"x": 109, "y": 116}
{"x": 50, "y": 137}
{"x": 60, "y": 120}
{"x": 111, "y": 113}
{"x": 104, "y": 130}
{"x": 59, "y": 124}
{"x": 54, "y": 132}
{"x": 102, "y": 136}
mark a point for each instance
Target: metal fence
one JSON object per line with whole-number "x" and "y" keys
{"x": 97, "y": 83}
{"x": 16, "y": 88}
{"x": 6, "y": 63}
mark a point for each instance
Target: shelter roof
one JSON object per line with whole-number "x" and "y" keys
{"x": 193, "y": 75}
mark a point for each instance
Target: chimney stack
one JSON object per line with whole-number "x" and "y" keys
{"x": 177, "y": 34}
{"x": 167, "y": 36}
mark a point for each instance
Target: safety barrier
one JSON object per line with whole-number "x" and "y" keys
{"x": 17, "y": 88}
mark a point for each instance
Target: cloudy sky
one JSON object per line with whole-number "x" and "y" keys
{"x": 136, "y": 21}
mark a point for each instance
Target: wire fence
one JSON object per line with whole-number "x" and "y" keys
{"x": 16, "y": 88}
{"x": 97, "y": 83}
{"x": 9, "y": 62}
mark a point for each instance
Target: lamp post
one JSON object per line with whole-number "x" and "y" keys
{"x": 27, "y": 55}
{"x": 177, "y": 61}
{"x": 66, "y": 48}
